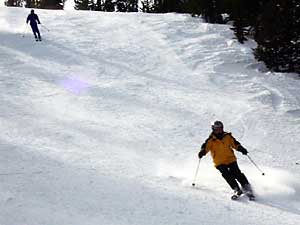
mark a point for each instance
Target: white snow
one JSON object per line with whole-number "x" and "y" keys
{"x": 101, "y": 122}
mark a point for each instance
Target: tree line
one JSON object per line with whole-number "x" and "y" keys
{"x": 273, "y": 24}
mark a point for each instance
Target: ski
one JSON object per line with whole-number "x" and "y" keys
{"x": 250, "y": 196}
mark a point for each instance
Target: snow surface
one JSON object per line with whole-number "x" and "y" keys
{"x": 102, "y": 121}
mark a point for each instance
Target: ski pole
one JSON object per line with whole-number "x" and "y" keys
{"x": 25, "y": 30}
{"x": 262, "y": 173}
{"x": 45, "y": 27}
{"x": 194, "y": 181}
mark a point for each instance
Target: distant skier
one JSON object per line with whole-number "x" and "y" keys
{"x": 34, "y": 20}
{"x": 221, "y": 145}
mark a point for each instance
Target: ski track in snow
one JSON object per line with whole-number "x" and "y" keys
{"x": 102, "y": 122}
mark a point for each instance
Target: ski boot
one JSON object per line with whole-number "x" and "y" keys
{"x": 248, "y": 192}
{"x": 237, "y": 193}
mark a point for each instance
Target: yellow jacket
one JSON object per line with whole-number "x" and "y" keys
{"x": 221, "y": 150}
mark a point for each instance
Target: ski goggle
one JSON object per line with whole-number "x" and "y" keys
{"x": 216, "y": 126}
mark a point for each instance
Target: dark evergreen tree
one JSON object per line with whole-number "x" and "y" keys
{"x": 237, "y": 10}
{"x": 109, "y": 6}
{"x": 127, "y": 5}
{"x": 121, "y": 5}
{"x": 244, "y": 15}
{"x": 239, "y": 29}
{"x": 14, "y": 3}
{"x": 29, "y": 4}
{"x": 172, "y": 6}
{"x": 133, "y": 6}
{"x": 211, "y": 10}
{"x": 151, "y": 6}
{"x": 277, "y": 35}
{"x": 145, "y": 6}
{"x": 84, "y": 4}
{"x": 194, "y": 7}
{"x": 157, "y": 5}
{"x": 51, "y": 4}
{"x": 99, "y": 6}
{"x": 32, "y": 4}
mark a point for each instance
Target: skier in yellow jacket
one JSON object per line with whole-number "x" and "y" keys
{"x": 221, "y": 145}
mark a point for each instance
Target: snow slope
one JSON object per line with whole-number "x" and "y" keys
{"x": 102, "y": 121}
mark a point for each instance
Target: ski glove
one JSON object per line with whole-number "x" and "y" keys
{"x": 242, "y": 150}
{"x": 201, "y": 154}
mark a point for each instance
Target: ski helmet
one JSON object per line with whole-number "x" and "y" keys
{"x": 217, "y": 124}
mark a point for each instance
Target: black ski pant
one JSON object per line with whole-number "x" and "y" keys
{"x": 35, "y": 30}
{"x": 232, "y": 173}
